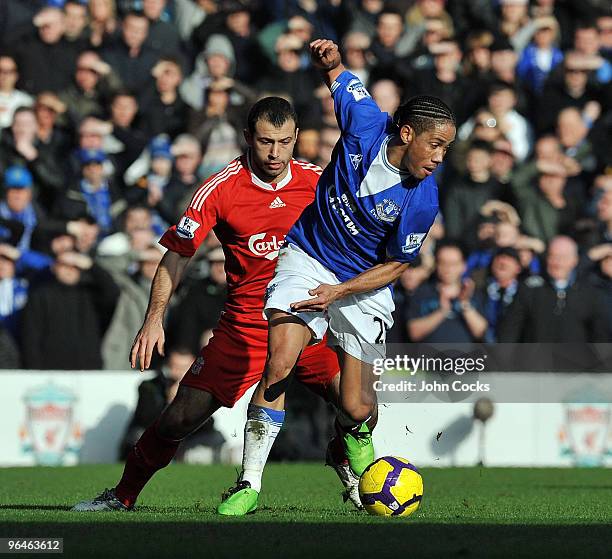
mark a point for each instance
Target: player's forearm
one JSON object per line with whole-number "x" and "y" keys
{"x": 330, "y": 75}
{"x": 374, "y": 278}
{"x": 168, "y": 276}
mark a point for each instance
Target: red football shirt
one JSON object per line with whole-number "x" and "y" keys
{"x": 250, "y": 218}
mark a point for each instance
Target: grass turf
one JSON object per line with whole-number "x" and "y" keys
{"x": 466, "y": 512}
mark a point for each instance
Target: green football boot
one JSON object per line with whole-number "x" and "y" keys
{"x": 238, "y": 500}
{"x": 359, "y": 448}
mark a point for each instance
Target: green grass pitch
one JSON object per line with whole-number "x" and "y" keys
{"x": 466, "y": 512}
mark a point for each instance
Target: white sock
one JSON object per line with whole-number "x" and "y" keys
{"x": 262, "y": 426}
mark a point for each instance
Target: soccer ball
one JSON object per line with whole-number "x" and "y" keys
{"x": 391, "y": 486}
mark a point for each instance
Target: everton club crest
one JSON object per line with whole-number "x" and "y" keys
{"x": 387, "y": 210}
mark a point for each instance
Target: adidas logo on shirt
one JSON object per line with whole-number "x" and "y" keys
{"x": 277, "y": 203}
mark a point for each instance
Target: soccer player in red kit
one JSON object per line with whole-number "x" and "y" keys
{"x": 251, "y": 204}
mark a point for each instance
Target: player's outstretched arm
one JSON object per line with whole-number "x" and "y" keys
{"x": 326, "y": 57}
{"x": 168, "y": 276}
{"x": 376, "y": 277}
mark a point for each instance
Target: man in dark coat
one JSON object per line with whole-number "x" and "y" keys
{"x": 65, "y": 319}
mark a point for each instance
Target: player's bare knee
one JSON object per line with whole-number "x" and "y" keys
{"x": 356, "y": 409}
{"x": 278, "y": 368}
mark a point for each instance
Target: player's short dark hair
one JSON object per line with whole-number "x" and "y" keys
{"x": 275, "y": 110}
{"x": 423, "y": 112}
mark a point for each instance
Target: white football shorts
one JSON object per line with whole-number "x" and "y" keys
{"x": 357, "y": 323}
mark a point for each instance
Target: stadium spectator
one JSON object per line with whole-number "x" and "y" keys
{"x": 515, "y": 23}
{"x": 18, "y": 206}
{"x": 45, "y": 59}
{"x": 389, "y": 30}
{"x": 93, "y": 195}
{"x": 502, "y": 161}
{"x": 20, "y": 146}
{"x": 75, "y": 21}
{"x": 468, "y": 194}
{"x": 545, "y": 208}
{"x": 103, "y": 23}
{"x": 289, "y": 78}
{"x": 443, "y": 79}
{"x": 572, "y": 132}
{"x": 237, "y": 25}
{"x": 362, "y": 15}
{"x": 48, "y": 110}
{"x": 477, "y": 59}
{"x": 91, "y": 89}
{"x": 307, "y": 146}
{"x": 356, "y": 55}
{"x": 218, "y": 127}
{"x": 131, "y": 308}
{"x": 13, "y": 291}
{"x": 118, "y": 253}
{"x": 501, "y": 104}
{"x": 10, "y": 97}
{"x": 447, "y": 309}
{"x": 501, "y": 288}
{"x": 386, "y": 93}
{"x": 570, "y": 89}
{"x": 216, "y": 61}
{"x": 162, "y": 108}
{"x": 588, "y": 42}
{"x": 125, "y": 139}
{"x": 541, "y": 56}
{"x": 403, "y": 291}
{"x": 557, "y": 308}
{"x": 79, "y": 302}
{"x": 601, "y": 278}
{"x": 151, "y": 189}
{"x": 130, "y": 57}
{"x": 604, "y": 214}
{"x": 163, "y": 36}
{"x": 186, "y": 177}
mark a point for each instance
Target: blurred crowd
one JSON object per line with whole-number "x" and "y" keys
{"x": 112, "y": 112}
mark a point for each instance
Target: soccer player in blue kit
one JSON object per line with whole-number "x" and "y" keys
{"x": 374, "y": 205}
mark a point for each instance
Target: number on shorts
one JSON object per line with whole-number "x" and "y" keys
{"x": 380, "y": 339}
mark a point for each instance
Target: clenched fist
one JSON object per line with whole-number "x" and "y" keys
{"x": 325, "y": 54}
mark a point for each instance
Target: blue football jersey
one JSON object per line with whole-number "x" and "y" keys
{"x": 366, "y": 211}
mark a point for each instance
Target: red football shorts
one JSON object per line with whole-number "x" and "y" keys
{"x": 234, "y": 360}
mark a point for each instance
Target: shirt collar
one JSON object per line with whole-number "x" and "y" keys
{"x": 265, "y": 185}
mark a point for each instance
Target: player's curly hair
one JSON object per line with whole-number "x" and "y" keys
{"x": 275, "y": 110}
{"x": 423, "y": 112}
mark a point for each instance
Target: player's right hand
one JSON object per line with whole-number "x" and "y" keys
{"x": 325, "y": 54}
{"x": 150, "y": 335}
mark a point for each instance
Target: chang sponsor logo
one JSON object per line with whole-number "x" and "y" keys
{"x": 338, "y": 203}
{"x": 357, "y": 90}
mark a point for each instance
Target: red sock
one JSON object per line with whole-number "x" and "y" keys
{"x": 152, "y": 452}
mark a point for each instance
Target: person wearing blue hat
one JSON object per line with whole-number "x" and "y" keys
{"x": 17, "y": 204}
{"x": 150, "y": 188}
{"x": 93, "y": 195}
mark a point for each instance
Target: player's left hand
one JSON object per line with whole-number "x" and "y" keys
{"x": 324, "y": 295}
